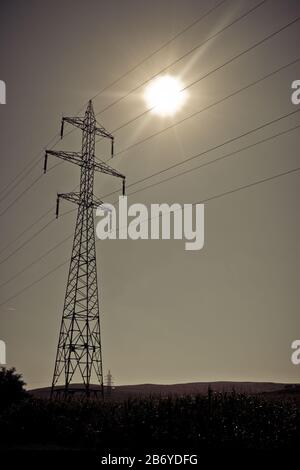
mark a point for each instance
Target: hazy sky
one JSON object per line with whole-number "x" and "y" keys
{"x": 227, "y": 312}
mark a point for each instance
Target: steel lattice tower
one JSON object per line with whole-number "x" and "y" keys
{"x": 79, "y": 346}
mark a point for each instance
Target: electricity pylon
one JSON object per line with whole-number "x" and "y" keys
{"x": 109, "y": 383}
{"x": 79, "y": 346}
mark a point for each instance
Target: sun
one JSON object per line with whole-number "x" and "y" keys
{"x": 165, "y": 95}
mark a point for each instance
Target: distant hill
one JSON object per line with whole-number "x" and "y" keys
{"x": 126, "y": 391}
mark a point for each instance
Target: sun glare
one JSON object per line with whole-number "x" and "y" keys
{"x": 165, "y": 95}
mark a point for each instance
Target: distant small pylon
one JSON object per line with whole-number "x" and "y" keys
{"x": 109, "y": 383}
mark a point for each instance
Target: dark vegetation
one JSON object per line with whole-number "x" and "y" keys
{"x": 215, "y": 420}
{"x": 11, "y": 388}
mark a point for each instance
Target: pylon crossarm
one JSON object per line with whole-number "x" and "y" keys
{"x": 101, "y": 132}
{"x": 73, "y": 157}
{"x": 75, "y": 198}
{"x": 104, "y": 168}
{"x": 72, "y": 197}
{"x": 75, "y": 121}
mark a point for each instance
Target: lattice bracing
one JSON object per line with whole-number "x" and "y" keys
{"x": 79, "y": 355}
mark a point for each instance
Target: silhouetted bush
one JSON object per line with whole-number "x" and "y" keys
{"x": 11, "y": 387}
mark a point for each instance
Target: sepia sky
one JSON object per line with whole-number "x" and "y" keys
{"x": 227, "y": 312}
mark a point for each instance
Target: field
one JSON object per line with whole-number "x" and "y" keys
{"x": 195, "y": 423}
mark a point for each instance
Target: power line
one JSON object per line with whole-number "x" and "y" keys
{"x": 35, "y": 160}
{"x": 32, "y": 164}
{"x": 29, "y": 170}
{"x": 27, "y": 241}
{"x": 208, "y": 74}
{"x": 223, "y": 157}
{"x": 27, "y": 229}
{"x": 206, "y": 108}
{"x": 160, "y": 48}
{"x": 30, "y": 186}
{"x": 204, "y": 152}
{"x": 224, "y": 194}
{"x": 40, "y": 258}
{"x": 27, "y": 188}
{"x": 35, "y": 282}
{"x": 20, "y": 195}
{"x": 234, "y": 93}
{"x": 38, "y": 232}
{"x": 249, "y": 185}
{"x": 177, "y": 60}
{"x": 186, "y": 54}
{"x": 25, "y": 169}
{"x": 125, "y": 124}
{"x": 181, "y": 173}
{"x": 32, "y": 225}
